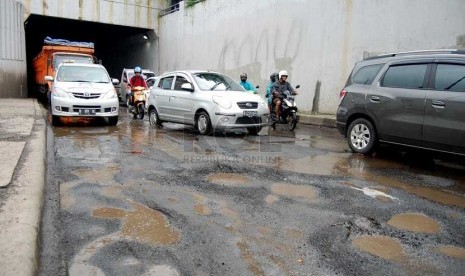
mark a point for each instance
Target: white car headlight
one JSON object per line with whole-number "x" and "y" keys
{"x": 263, "y": 103}
{"x": 223, "y": 102}
{"x": 60, "y": 93}
{"x": 110, "y": 94}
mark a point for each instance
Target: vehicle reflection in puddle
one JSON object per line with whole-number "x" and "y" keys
{"x": 330, "y": 164}
{"x": 418, "y": 223}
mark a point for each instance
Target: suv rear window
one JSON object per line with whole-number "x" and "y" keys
{"x": 405, "y": 76}
{"x": 365, "y": 75}
{"x": 450, "y": 77}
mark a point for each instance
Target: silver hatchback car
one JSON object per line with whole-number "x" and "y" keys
{"x": 207, "y": 100}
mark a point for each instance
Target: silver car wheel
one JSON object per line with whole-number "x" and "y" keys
{"x": 153, "y": 118}
{"x": 202, "y": 123}
{"x": 360, "y": 136}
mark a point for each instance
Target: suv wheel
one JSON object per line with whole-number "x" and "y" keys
{"x": 361, "y": 136}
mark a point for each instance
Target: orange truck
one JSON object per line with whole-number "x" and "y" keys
{"x": 51, "y": 56}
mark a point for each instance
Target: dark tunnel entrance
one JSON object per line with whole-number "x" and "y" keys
{"x": 116, "y": 46}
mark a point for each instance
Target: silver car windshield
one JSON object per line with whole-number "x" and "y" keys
{"x": 216, "y": 82}
{"x": 82, "y": 74}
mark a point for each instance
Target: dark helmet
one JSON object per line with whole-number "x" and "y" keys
{"x": 243, "y": 77}
{"x": 137, "y": 70}
{"x": 273, "y": 77}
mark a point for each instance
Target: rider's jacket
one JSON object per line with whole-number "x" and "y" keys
{"x": 280, "y": 88}
{"x": 137, "y": 81}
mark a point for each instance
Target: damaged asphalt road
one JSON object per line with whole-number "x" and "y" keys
{"x": 136, "y": 199}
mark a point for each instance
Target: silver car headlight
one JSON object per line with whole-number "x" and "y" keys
{"x": 223, "y": 102}
{"x": 110, "y": 94}
{"x": 60, "y": 93}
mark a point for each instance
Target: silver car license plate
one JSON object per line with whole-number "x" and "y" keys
{"x": 249, "y": 113}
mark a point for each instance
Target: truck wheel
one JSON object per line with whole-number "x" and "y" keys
{"x": 112, "y": 121}
{"x": 361, "y": 136}
{"x": 55, "y": 120}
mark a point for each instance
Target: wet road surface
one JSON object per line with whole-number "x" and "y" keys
{"x": 143, "y": 200}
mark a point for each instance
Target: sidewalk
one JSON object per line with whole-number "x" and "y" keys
{"x": 22, "y": 168}
{"x": 324, "y": 120}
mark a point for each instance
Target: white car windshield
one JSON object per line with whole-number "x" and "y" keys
{"x": 82, "y": 74}
{"x": 58, "y": 59}
{"x": 216, "y": 82}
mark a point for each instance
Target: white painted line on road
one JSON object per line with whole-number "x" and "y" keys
{"x": 373, "y": 193}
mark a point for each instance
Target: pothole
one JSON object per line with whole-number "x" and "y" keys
{"x": 380, "y": 246}
{"x": 295, "y": 191}
{"x": 418, "y": 223}
{"x": 142, "y": 224}
{"x": 452, "y": 251}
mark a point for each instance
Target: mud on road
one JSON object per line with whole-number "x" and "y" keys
{"x": 142, "y": 200}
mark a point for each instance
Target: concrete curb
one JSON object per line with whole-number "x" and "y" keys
{"x": 20, "y": 221}
{"x": 318, "y": 120}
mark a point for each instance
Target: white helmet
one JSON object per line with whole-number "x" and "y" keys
{"x": 283, "y": 73}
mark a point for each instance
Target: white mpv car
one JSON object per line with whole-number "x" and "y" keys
{"x": 83, "y": 90}
{"x": 207, "y": 100}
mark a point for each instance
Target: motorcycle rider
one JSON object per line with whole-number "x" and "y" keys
{"x": 277, "y": 91}
{"x": 246, "y": 84}
{"x": 136, "y": 80}
{"x": 268, "y": 89}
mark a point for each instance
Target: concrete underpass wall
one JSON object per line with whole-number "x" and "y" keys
{"x": 13, "y": 75}
{"x": 317, "y": 41}
{"x": 134, "y": 13}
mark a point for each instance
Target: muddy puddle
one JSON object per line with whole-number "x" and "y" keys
{"x": 294, "y": 191}
{"x": 98, "y": 176}
{"x": 452, "y": 251}
{"x": 331, "y": 164}
{"x": 417, "y": 223}
{"x": 142, "y": 223}
{"x": 380, "y": 246}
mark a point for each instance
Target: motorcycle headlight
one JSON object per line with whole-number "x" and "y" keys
{"x": 110, "y": 94}
{"x": 223, "y": 102}
{"x": 60, "y": 93}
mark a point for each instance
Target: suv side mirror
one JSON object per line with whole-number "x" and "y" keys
{"x": 114, "y": 81}
{"x": 48, "y": 78}
{"x": 187, "y": 87}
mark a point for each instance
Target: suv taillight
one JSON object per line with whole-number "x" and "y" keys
{"x": 342, "y": 94}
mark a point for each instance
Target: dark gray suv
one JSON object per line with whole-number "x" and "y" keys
{"x": 414, "y": 99}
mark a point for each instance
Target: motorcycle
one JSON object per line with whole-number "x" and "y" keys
{"x": 139, "y": 99}
{"x": 288, "y": 111}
